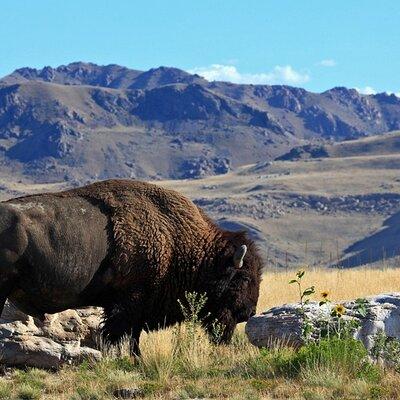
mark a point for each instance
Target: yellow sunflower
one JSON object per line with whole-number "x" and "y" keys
{"x": 340, "y": 309}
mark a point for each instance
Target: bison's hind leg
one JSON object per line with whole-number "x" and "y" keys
{"x": 122, "y": 322}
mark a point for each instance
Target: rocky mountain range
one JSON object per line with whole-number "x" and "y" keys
{"x": 83, "y": 122}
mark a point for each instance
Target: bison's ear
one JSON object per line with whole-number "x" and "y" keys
{"x": 239, "y": 256}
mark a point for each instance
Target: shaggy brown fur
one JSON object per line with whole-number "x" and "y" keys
{"x": 159, "y": 246}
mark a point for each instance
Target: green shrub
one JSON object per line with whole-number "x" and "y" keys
{"x": 378, "y": 392}
{"x": 324, "y": 363}
{"x": 271, "y": 363}
{"x": 32, "y": 377}
{"x": 124, "y": 364}
{"x": 5, "y": 390}
{"x": 346, "y": 356}
{"x": 27, "y": 392}
{"x": 387, "y": 349}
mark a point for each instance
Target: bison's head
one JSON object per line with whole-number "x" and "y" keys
{"x": 234, "y": 293}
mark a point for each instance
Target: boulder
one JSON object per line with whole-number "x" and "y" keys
{"x": 62, "y": 338}
{"x": 200, "y": 167}
{"x": 284, "y": 324}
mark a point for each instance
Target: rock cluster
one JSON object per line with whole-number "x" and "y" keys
{"x": 201, "y": 167}
{"x": 63, "y": 338}
{"x": 285, "y": 323}
{"x": 382, "y": 203}
{"x": 260, "y": 206}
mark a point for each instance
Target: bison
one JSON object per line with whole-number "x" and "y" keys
{"x": 130, "y": 247}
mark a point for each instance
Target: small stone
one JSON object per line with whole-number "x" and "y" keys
{"x": 128, "y": 393}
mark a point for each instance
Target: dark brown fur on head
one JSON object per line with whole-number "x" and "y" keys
{"x": 233, "y": 292}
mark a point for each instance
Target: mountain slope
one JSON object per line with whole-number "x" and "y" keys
{"x": 374, "y": 145}
{"x": 84, "y": 122}
{"x": 52, "y": 132}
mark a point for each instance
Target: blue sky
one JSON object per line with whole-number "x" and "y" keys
{"x": 309, "y": 43}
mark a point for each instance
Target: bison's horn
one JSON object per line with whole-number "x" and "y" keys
{"x": 239, "y": 256}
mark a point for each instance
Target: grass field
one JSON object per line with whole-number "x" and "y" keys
{"x": 181, "y": 363}
{"x": 342, "y": 284}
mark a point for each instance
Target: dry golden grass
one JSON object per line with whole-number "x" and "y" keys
{"x": 341, "y": 284}
{"x": 179, "y": 363}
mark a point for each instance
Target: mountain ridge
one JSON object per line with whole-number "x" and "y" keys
{"x": 84, "y": 122}
{"x": 111, "y": 76}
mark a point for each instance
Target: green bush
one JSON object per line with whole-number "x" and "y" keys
{"x": 387, "y": 349}
{"x": 271, "y": 363}
{"x": 378, "y": 392}
{"x": 124, "y": 364}
{"x": 332, "y": 357}
{"x": 347, "y": 356}
{"x": 27, "y": 392}
{"x": 5, "y": 390}
{"x": 32, "y": 377}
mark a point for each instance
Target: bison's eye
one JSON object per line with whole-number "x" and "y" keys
{"x": 246, "y": 279}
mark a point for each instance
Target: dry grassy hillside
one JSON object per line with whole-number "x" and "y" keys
{"x": 369, "y": 146}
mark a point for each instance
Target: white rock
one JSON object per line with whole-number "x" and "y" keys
{"x": 285, "y": 323}
{"x": 51, "y": 343}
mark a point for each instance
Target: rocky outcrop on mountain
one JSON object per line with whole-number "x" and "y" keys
{"x": 261, "y": 206}
{"x": 110, "y": 76}
{"x": 369, "y": 146}
{"x": 83, "y": 121}
{"x": 328, "y": 125}
{"x": 77, "y": 73}
{"x": 162, "y": 76}
{"x": 202, "y": 167}
{"x": 304, "y": 152}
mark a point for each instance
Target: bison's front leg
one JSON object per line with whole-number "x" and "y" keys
{"x": 8, "y": 278}
{"x": 6, "y": 287}
{"x": 3, "y": 299}
{"x": 123, "y": 320}
{"x": 13, "y": 243}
